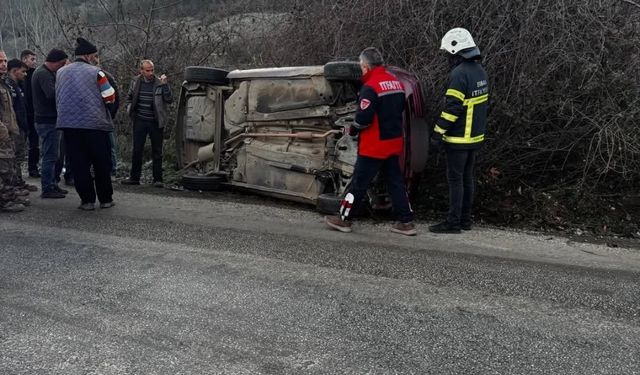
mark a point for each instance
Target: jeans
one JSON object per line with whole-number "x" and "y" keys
{"x": 64, "y": 161}
{"x": 90, "y": 148}
{"x": 140, "y": 130}
{"x": 34, "y": 148}
{"x": 366, "y": 169}
{"x": 460, "y": 174}
{"x": 49, "y": 142}
{"x": 114, "y": 153}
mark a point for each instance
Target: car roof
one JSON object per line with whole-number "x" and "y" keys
{"x": 286, "y": 72}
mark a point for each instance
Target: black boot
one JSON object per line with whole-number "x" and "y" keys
{"x": 444, "y": 227}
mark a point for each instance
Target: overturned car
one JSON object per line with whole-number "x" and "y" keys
{"x": 280, "y": 131}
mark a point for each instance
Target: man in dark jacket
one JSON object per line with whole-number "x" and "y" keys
{"x": 461, "y": 126}
{"x": 29, "y": 58}
{"x": 16, "y": 71}
{"x": 45, "y": 114}
{"x": 82, "y": 95}
{"x": 378, "y": 123}
{"x": 147, "y": 102}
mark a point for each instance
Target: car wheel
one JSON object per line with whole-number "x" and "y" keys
{"x": 342, "y": 71}
{"x": 328, "y": 203}
{"x": 204, "y": 183}
{"x": 206, "y": 75}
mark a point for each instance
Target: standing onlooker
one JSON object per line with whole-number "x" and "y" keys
{"x": 30, "y": 59}
{"x": 8, "y": 130}
{"x": 147, "y": 101}
{"x": 461, "y": 126}
{"x": 16, "y": 71}
{"x": 82, "y": 95}
{"x": 378, "y": 122}
{"x": 43, "y": 88}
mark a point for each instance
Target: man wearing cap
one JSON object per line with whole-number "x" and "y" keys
{"x": 83, "y": 94}
{"x": 45, "y": 115}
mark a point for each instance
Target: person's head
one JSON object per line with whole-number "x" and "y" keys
{"x": 17, "y": 70}
{"x": 86, "y": 51}
{"x": 56, "y": 59}
{"x": 3, "y": 62}
{"x": 459, "y": 46}
{"x": 29, "y": 58}
{"x": 147, "y": 69}
{"x": 370, "y": 58}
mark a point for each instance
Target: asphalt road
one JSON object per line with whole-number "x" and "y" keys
{"x": 226, "y": 285}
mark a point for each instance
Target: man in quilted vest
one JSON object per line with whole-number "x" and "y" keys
{"x": 83, "y": 94}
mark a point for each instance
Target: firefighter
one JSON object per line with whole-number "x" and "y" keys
{"x": 378, "y": 122}
{"x": 461, "y": 126}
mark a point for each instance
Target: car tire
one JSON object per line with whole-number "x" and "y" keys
{"x": 206, "y": 75}
{"x": 342, "y": 71}
{"x": 204, "y": 183}
{"x": 328, "y": 203}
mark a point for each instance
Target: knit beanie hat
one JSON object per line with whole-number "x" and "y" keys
{"x": 56, "y": 55}
{"x": 84, "y": 47}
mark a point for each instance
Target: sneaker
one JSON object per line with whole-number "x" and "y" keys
{"x": 60, "y": 190}
{"x": 337, "y": 223}
{"x": 53, "y": 194}
{"x": 30, "y": 187}
{"x": 408, "y": 229}
{"x": 129, "y": 181}
{"x": 444, "y": 227}
{"x": 12, "y": 207}
{"x": 87, "y": 206}
{"x": 158, "y": 184}
{"x": 34, "y": 174}
{"x": 108, "y": 204}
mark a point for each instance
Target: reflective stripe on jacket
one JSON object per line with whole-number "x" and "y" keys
{"x": 463, "y": 122}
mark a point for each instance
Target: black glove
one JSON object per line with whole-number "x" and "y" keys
{"x": 436, "y": 141}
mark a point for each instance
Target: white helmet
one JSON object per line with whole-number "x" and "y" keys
{"x": 459, "y": 41}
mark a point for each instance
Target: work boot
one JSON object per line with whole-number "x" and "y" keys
{"x": 23, "y": 201}
{"x": 408, "y": 229}
{"x": 60, "y": 190}
{"x": 337, "y": 223}
{"x": 52, "y": 194}
{"x": 107, "y": 204}
{"x": 128, "y": 181}
{"x": 87, "y": 206}
{"x": 444, "y": 227}
{"x": 12, "y": 207}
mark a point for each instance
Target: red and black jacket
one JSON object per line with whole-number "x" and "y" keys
{"x": 379, "y": 115}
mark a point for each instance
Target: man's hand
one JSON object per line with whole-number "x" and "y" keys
{"x": 163, "y": 79}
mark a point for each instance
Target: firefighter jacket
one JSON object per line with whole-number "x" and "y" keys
{"x": 463, "y": 122}
{"x": 379, "y": 115}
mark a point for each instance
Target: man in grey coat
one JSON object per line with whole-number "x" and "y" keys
{"x": 147, "y": 101}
